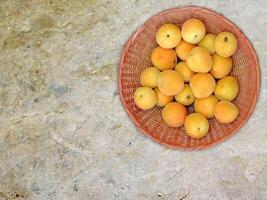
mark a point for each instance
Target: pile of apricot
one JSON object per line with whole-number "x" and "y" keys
{"x": 190, "y": 67}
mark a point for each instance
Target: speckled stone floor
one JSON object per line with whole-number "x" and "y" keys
{"x": 63, "y": 131}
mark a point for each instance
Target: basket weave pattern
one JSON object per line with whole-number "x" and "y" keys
{"x": 136, "y": 57}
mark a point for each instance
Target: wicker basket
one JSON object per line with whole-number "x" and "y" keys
{"x": 136, "y": 56}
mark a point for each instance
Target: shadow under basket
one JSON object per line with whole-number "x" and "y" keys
{"x": 136, "y": 57}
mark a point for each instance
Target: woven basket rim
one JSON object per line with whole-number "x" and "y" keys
{"x": 131, "y": 40}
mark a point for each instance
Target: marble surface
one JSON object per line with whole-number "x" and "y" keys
{"x": 63, "y": 131}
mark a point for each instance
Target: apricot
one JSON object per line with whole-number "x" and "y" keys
{"x": 163, "y": 59}
{"x": 202, "y": 85}
{"x": 206, "y": 106}
{"x": 168, "y": 36}
{"x": 173, "y": 114}
{"x": 196, "y": 125}
{"x": 199, "y": 60}
{"x": 193, "y": 31}
{"x": 170, "y": 82}
{"x": 225, "y": 44}
{"x": 226, "y": 112}
{"x": 227, "y": 88}
{"x": 149, "y": 77}
{"x": 208, "y": 42}
{"x": 183, "y": 49}
{"x": 145, "y": 98}
{"x": 162, "y": 99}
{"x": 221, "y": 66}
{"x": 186, "y": 97}
{"x": 185, "y": 71}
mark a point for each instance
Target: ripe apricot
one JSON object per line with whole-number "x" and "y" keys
{"x": 186, "y": 97}
{"x": 226, "y": 112}
{"x": 208, "y": 42}
{"x": 145, "y": 98}
{"x": 193, "y": 31}
{"x": 185, "y": 71}
{"x": 173, "y": 114}
{"x": 206, "y": 106}
{"x": 163, "y": 59}
{"x": 225, "y": 44}
{"x": 227, "y": 88}
{"x": 149, "y": 77}
{"x": 202, "y": 85}
{"x": 170, "y": 82}
{"x": 196, "y": 125}
{"x": 199, "y": 60}
{"x": 221, "y": 66}
{"x": 183, "y": 49}
{"x": 168, "y": 36}
{"x": 162, "y": 99}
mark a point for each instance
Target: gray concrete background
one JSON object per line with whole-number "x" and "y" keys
{"x": 63, "y": 131}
